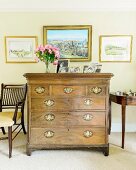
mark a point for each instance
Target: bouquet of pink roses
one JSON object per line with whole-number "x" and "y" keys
{"x": 47, "y": 54}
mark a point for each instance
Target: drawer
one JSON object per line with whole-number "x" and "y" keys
{"x": 40, "y": 136}
{"x": 96, "y": 90}
{"x": 60, "y": 104}
{"x": 87, "y": 136}
{"x": 86, "y": 118}
{"x": 62, "y": 90}
{"x": 48, "y": 119}
{"x": 89, "y": 103}
{"x": 39, "y": 90}
{"x": 75, "y": 136}
{"x": 50, "y": 103}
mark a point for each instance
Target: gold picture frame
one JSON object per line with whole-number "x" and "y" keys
{"x": 20, "y": 49}
{"x": 115, "y": 48}
{"x": 74, "y": 41}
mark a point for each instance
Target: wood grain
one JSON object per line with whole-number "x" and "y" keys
{"x": 77, "y": 116}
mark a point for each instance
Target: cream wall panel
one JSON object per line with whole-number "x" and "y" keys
{"x": 104, "y": 23}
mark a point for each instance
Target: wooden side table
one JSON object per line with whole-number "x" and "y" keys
{"x": 123, "y": 100}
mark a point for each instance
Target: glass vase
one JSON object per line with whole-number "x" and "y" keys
{"x": 47, "y": 69}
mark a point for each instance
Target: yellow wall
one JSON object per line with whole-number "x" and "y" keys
{"x": 103, "y": 23}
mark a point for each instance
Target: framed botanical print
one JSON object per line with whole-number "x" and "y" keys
{"x": 74, "y": 42}
{"x": 115, "y": 48}
{"x": 20, "y": 49}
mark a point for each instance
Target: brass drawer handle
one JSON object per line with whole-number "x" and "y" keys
{"x": 39, "y": 90}
{"x": 96, "y": 90}
{"x": 49, "y": 102}
{"x": 68, "y": 90}
{"x": 87, "y": 117}
{"x": 88, "y": 102}
{"x": 88, "y": 134}
{"x": 50, "y": 117}
{"x": 49, "y": 134}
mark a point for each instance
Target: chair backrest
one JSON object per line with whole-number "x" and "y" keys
{"x": 12, "y": 94}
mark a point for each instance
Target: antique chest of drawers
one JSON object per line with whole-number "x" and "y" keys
{"x": 68, "y": 110}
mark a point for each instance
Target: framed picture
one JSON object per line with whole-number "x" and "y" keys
{"x": 74, "y": 69}
{"x": 115, "y": 48}
{"x": 63, "y": 70}
{"x": 98, "y": 68}
{"x": 74, "y": 42}
{"x": 62, "y": 63}
{"x": 89, "y": 69}
{"x": 20, "y": 49}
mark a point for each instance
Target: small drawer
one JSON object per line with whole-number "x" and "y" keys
{"x": 68, "y": 90}
{"x": 87, "y": 136}
{"x": 39, "y": 90}
{"x": 50, "y": 104}
{"x": 89, "y": 103}
{"x": 96, "y": 90}
{"x": 48, "y": 119}
{"x": 56, "y": 136}
{"x": 86, "y": 118}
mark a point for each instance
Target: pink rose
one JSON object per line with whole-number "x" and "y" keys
{"x": 55, "y": 62}
{"x": 36, "y": 59}
{"x": 41, "y": 48}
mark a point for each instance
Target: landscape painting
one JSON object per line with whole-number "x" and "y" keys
{"x": 74, "y": 42}
{"x": 115, "y": 48}
{"x": 20, "y": 49}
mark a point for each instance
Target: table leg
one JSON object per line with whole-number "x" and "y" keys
{"x": 123, "y": 124}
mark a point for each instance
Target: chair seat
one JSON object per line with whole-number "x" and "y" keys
{"x": 6, "y": 118}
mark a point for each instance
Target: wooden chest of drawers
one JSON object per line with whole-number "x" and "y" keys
{"x": 68, "y": 111}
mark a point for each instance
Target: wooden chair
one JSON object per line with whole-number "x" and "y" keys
{"x": 12, "y": 103}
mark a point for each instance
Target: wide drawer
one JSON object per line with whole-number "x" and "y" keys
{"x": 74, "y": 136}
{"x": 50, "y": 119}
{"x": 63, "y": 90}
{"x": 39, "y": 90}
{"x": 84, "y": 103}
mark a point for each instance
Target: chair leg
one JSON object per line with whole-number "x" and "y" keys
{"x": 3, "y": 130}
{"x": 10, "y": 140}
{"x": 23, "y": 126}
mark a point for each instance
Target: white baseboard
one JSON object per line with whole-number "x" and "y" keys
{"x": 116, "y": 127}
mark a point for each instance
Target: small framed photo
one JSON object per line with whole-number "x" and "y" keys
{"x": 74, "y": 70}
{"x": 62, "y": 63}
{"x": 89, "y": 69}
{"x": 20, "y": 49}
{"x": 63, "y": 70}
{"x": 115, "y": 48}
{"x": 98, "y": 68}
